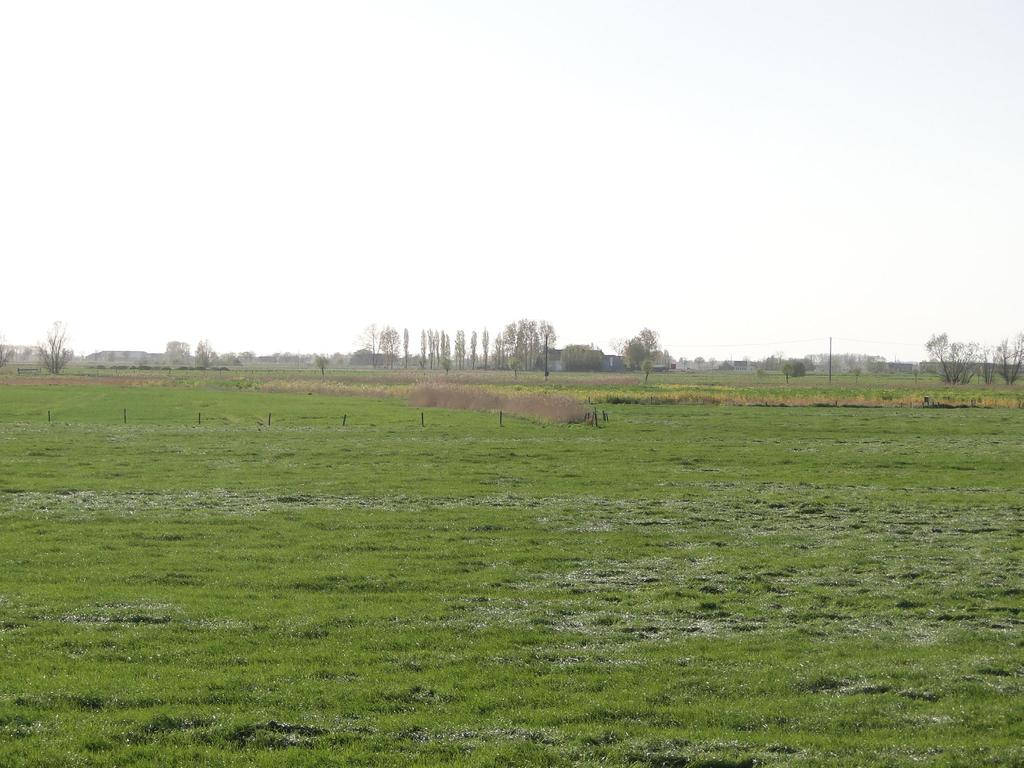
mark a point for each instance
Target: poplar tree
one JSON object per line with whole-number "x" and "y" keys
{"x": 460, "y": 349}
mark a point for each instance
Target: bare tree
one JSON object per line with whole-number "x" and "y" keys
{"x": 388, "y": 343}
{"x": 547, "y": 332}
{"x": 321, "y": 361}
{"x": 511, "y": 345}
{"x": 485, "y": 342}
{"x": 1010, "y": 357}
{"x": 496, "y": 345}
{"x": 472, "y": 350}
{"x": 423, "y": 349}
{"x": 501, "y": 346}
{"x": 55, "y": 352}
{"x": 527, "y": 343}
{"x": 5, "y": 351}
{"x": 988, "y": 365}
{"x": 204, "y": 354}
{"x": 405, "y": 345}
{"x": 370, "y": 341}
{"x": 958, "y": 360}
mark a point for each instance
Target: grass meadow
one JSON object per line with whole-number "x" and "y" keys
{"x": 679, "y": 388}
{"x": 683, "y": 585}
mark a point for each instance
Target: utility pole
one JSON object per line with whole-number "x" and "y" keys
{"x": 829, "y": 359}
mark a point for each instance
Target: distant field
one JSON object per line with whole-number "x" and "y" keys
{"x": 685, "y": 585}
{"x": 681, "y": 388}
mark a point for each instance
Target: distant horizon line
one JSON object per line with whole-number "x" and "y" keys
{"x": 124, "y": 356}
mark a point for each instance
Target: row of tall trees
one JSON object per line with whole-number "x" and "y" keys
{"x": 435, "y": 349}
{"x": 960, "y": 361}
{"x": 519, "y": 345}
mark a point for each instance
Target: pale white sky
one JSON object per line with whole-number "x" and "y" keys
{"x": 278, "y": 175}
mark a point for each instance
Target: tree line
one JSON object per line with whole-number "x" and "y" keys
{"x": 960, "y": 361}
{"x": 522, "y": 345}
{"x": 517, "y": 346}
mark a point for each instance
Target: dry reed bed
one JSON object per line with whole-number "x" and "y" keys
{"x": 554, "y": 408}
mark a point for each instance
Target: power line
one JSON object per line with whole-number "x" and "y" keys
{"x": 822, "y": 340}
{"x": 884, "y": 343}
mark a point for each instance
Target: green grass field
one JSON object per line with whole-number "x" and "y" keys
{"x": 683, "y": 586}
{"x": 682, "y": 388}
